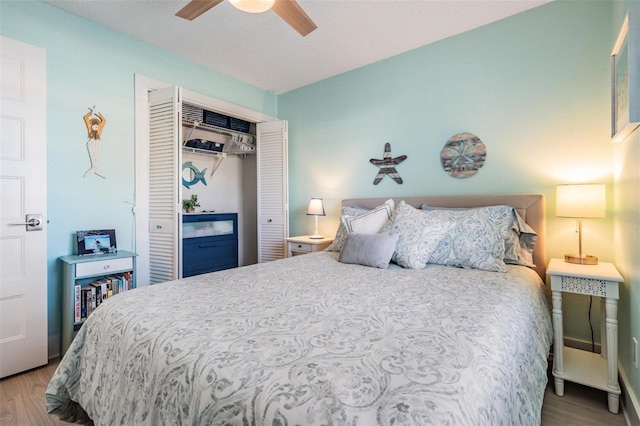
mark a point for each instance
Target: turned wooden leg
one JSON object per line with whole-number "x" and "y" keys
{"x": 612, "y": 354}
{"x": 558, "y": 343}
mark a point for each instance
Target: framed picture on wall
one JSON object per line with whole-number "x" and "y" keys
{"x": 625, "y": 77}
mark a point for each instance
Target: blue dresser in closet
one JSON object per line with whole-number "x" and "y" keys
{"x": 209, "y": 242}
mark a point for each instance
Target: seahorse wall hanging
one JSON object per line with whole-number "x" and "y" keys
{"x": 463, "y": 155}
{"x": 95, "y": 122}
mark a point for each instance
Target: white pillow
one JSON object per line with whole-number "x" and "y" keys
{"x": 341, "y": 233}
{"x": 370, "y": 222}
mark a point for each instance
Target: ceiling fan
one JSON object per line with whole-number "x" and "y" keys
{"x": 289, "y": 10}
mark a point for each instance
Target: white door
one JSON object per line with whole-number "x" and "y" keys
{"x": 273, "y": 189}
{"x": 23, "y": 175}
{"x": 165, "y": 159}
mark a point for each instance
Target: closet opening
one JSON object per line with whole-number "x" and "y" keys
{"x": 219, "y": 167}
{"x": 253, "y": 185}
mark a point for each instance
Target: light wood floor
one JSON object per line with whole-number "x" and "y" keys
{"x": 22, "y": 403}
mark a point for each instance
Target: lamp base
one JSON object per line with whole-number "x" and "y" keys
{"x": 316, "y": 237}
{"x": 584, "y": 259}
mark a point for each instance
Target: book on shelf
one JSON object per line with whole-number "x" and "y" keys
{"x": 115, "y": 283}
{"x": 77, "y": 304}
{"x": 101, "y": 290}
{"x": 88, "y": 299}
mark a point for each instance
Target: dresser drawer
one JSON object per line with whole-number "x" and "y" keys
{"x": 103, "y": 266}
{"x": 200, "y": 257}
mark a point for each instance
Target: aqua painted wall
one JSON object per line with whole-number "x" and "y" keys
{"x": 533, "y": 87}
{"x": 90, "y": 65}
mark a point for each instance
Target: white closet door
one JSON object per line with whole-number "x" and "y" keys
{"x": 164, "y": 172}
{"x": 273, "y": 190}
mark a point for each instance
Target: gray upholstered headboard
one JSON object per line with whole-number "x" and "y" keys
{"x": 531, "y": 207}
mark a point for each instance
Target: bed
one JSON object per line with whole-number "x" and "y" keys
{"x": 313, "y": 340}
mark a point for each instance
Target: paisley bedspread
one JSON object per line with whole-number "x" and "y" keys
{"x": 309, "y": 340}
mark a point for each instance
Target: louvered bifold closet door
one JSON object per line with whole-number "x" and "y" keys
{"x": 273, "y": 198}
{"x": 164, "y": 158}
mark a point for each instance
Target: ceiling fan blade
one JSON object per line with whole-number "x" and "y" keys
{"x": 195, "y": 8}
{"x": 292, "y": 13}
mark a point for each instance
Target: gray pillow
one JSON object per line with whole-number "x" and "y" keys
{"x": 369, "y": 249}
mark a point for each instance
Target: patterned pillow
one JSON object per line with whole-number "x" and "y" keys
{"x": 518, "y": 246}
{"x": 477, "y": 239}
{"x": 418, "y": 235}
{"x": 519, "y": 242}
{"x": 342, "y": 232}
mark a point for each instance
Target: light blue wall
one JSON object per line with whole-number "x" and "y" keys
{"x": 534, "y": 88}
{"x": 90, "y": 65}
{"x": 626, "y": 170}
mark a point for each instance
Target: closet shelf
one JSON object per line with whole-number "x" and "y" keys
{"x": 239, "y": 143}
{"x": 204, "y": 151}
{"x": 220, "y": 130}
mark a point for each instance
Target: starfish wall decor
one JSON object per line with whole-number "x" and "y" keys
{"x": 388, "y": 165}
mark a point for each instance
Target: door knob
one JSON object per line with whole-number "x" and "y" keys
{"x": 30, "y": 222}
{"x": 33, "y": 222}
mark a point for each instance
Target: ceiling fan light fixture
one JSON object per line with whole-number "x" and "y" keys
{"x": 252, "y": 6}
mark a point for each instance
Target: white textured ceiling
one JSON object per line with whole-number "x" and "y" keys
{"x": 264, "y": 51}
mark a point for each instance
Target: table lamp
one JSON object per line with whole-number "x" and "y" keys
{"x": 316, "y": 208}
{"x": 581, "y": 201}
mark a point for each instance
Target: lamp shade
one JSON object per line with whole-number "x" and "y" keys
{"x": 581, "y": 201}
{"x": 316, "y": 207}
{"x": 252, "y": 6}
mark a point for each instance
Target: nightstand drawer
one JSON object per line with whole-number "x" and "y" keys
{"x": 305, "y": 244}
{"x": 103, "y": 266}
{"x": 300, "y": 247}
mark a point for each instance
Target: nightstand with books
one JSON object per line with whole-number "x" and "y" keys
{"x": 87, "y": 281}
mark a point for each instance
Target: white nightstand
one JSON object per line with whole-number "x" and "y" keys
{"x": 303, "y": 244}
{"x": 599, "y": 371}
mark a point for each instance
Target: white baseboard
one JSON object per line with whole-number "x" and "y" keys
{"x": 629, "y": 400}
{"x": 53, "y": 347}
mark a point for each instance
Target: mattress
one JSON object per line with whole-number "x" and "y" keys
{"x": 309, "y": 340}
